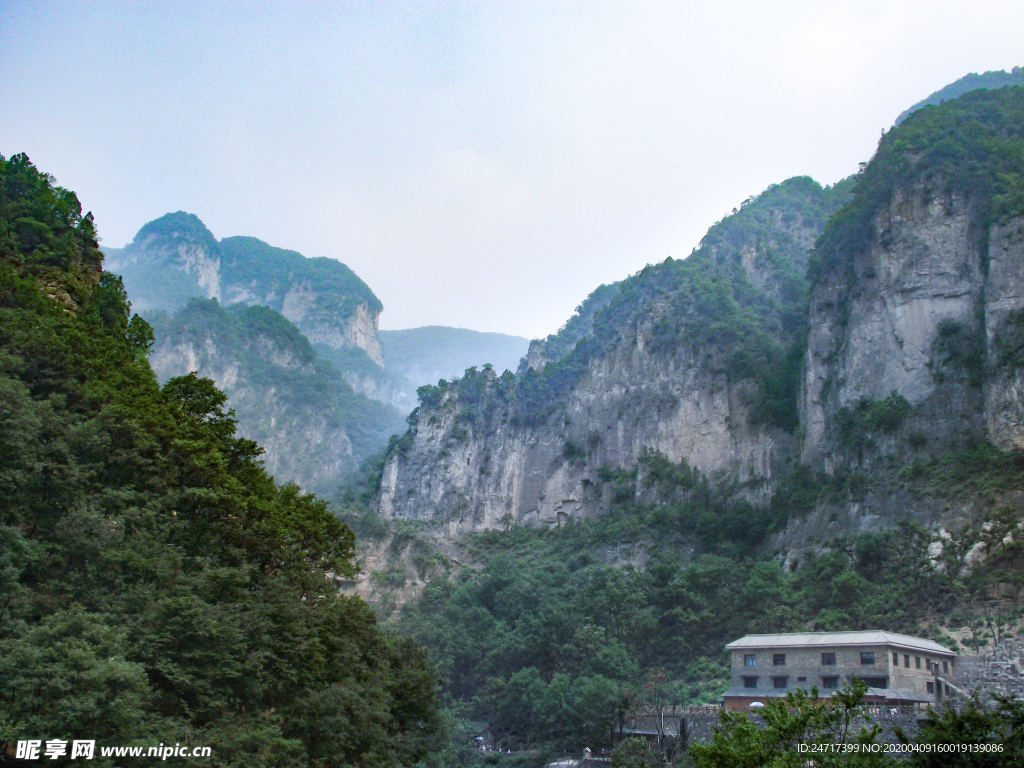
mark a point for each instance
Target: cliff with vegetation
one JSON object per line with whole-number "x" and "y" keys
{"x": 156, "y": 585}
{"x": 812, "y": 424}
{"x": 314, "y": 429}
{"x": 692, "y": 362}
{"x": 176, "y": 258}
{"x": 842, "y": 342}
{"x": 915, "y": 314}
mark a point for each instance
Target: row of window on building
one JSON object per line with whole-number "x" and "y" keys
{"x": 828, "y": 682}
{"x": 867, "y": 658}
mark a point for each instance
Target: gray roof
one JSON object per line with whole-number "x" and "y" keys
{"x": 889, "y": 694}
{"x": 815, "y": 639}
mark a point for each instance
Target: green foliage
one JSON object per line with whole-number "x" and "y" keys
{"x": 793, "y": 727}
{"x": 856, "y": 425}
{"x": 978, "y": 469}
{"x": 549, "y": 622}
{"x": 973, "y": 145}
{"x": 659, "y": 469}
{"x": 1010, "y": 340}
{"x": 270, "y": 271}
{"x": 43, "y": 234}
{"x": 273, "y": 356}
{"x": 707, "y": 306}
{"x": 960, "y": 348}
{"x": 633, "y": 753}
{"x": 996, "y": 734}
{"x": 155, "y": 583}
{"x": 579, "y": 326}
{"x": 967, "y": 83}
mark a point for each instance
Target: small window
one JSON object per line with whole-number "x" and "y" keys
{"x": 828, "y": 659}
{"x": 947, "y": 690}
{"x": 801, "y": 679}
{"x": 876, "y": 682}
{"x": 867, "y": 657}
{"x": 917, "y": 662}
{"x": 779, "y": 659}
{"x": 750, "y": 660}
{"x": 750, "y": 682}
{"x": 931, "y": 687}
{"x": 830, "y": 682}
{"x": 945, "y": 667}
{"x": 895, "y": 659}
{"x": 906, "y": 660}
{"x": 928, "y": 664}
{"x": 779, "y": 682}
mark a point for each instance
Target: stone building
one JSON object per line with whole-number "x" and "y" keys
{"x": 899, "y": 670}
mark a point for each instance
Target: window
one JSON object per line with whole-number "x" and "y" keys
{"x": 779, "y": 682}
{"x": 801, "y": 679}
{"x": 947, "y": 690}
{"x": 906, "y": 660}
{"x": 750, "y": 682}
{"x": 928, "y": 664}
{"x": 931, "y": 687}
{"x": 828, "y": 659}
{"x": 917, "y": 662}
{"x": 945, "y": 667}
{"x": 876, "y": 682}
{"x": 830, "y": 682}
{"x": 750, "y": 660}
{"x": 779, "y": 659}
{"x": 895, "y": 659}
{"x": 867, "y": 657}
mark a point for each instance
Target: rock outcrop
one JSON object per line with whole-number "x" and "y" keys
{"x": 176, "y": 258}
{"x": 641, "y": 373}
{"x": 313, "y": 428}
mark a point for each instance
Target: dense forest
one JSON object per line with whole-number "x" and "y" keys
{"x": 156, "y": 586}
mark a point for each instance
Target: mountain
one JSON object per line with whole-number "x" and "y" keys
{"x": 911, "y": 375}
{"x": 300, "y": 409}
{"x": 972, "y": 82}
{"x": 695, "y": 360}
{"x": 158, "y": 587}
{"x": 813, "y": 423}
{"x": 839, "y": 332}
{"x": 426, "y": 355}
{"x": 175, "y": 258}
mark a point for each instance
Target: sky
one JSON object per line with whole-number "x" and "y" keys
{"x": 482, "y": 165}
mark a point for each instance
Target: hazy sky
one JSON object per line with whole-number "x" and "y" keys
{"x": 483, "y": 165}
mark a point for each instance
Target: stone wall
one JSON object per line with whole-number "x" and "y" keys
{"x": 998, "y": 669}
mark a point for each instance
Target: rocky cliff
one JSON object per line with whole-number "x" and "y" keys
{"x": 314, "y": 429}
{"x": 683, "y": 361}
{"x": 883, "y": 383}
{"x": 918, "y": 293}
{"x": 176, "y": 258}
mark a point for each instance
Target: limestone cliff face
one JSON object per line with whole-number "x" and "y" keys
{"x": 176, "y": 258}
{"x": 303, "y": 442}
{"x": 658, "y": 363}
{"x": 927, "y": 291}
{"x": 314, "y": 429}
{"x": 491, "y": 471}
{"x": 1004, "y": 299}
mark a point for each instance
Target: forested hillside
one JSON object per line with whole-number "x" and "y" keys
{"x": 156, "y": 586}
{"x": 297, "y": 406}
{"x": 813, "y": 423}
{"x": 967, "y": 83}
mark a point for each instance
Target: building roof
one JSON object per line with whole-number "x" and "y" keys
{"x": 890, "y": 695}
{"x": 814, "y": 639}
